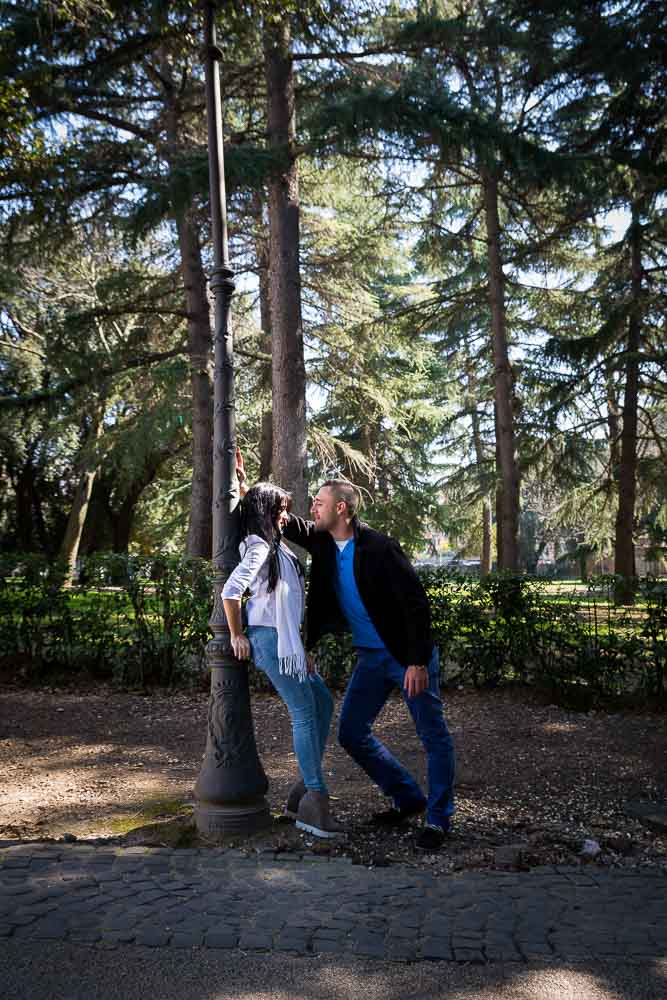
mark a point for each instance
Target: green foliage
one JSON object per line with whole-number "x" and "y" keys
{"x": 150, "y": 628}
{"x": 420, "y": 110}
{"x": 170, "y": 598}
{"x": 104, "y": 132}
{"x": 372, "y": 370}
{"x": 143, "y": 621}
{"x": 46, "y": 628}
{"x": 93, "y": 332}
{"x": 653, "y": 635}
{"x": 581, "y": 651}
{"x": 335, "y": 659}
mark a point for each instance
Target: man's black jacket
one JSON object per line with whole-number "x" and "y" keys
{"x": 390, "y": 589}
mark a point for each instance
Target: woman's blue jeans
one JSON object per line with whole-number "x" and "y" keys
{"x": 308, "y": 702}
{"x": 376, "y": 675}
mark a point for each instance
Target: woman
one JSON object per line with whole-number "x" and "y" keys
{"x": 274, "y": 578}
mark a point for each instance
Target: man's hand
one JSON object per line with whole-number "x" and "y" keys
{"x": 415, "y": 681}
{"x": 241, "y": 647}
{"x": 312, "y": 666}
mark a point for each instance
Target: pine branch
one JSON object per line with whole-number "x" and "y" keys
{"x": 33, "y": 399}
{"x": 657, "y": 438}
{"x": 253, "y": 355}
{"x": 99, "y": 116}
{"x": 107, "y": 312}
{"x": 347, "y": 54}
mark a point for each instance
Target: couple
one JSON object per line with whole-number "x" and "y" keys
{"x": 360, "y": 581}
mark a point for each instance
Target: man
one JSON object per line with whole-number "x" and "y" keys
{"x": 361, "y": 580}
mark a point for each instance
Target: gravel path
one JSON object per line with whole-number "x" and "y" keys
{"x": 97, "y": 763}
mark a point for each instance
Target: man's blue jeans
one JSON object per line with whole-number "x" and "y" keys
{"x": 377, "y": 673}
{"x": 308, "y": 702}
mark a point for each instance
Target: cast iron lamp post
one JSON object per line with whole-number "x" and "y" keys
{"x": 230, "y": 789}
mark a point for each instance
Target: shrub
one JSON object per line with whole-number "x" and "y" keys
{"x": 147, "y": 630}
{"x": 581, "y": 650}
{"x": 653, "y": 634}
{"x": 144, "y": 620}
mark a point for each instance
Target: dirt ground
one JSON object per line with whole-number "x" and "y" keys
{"x": 95, "y": 764}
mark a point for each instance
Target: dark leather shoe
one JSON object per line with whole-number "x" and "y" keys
{"x": 431, "y": 838}
{"x": 395, "y": 817}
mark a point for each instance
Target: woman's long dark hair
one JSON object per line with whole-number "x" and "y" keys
{"x": 260, "y": 509}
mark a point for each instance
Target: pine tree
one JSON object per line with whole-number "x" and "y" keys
{"x": 615, "y": 85}
{"x": 457, "y": 98}
{"x": 83, "y": 334}
{"x": 132, "y": 74}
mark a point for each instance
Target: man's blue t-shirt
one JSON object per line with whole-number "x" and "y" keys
{"x": 364, "y": 633}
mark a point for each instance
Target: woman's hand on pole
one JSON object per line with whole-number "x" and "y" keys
{"x": 240, "y": 472}
{"x": 240, "y": 642}
{"x": 241, "y": 647}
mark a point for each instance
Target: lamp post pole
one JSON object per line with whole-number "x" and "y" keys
{"x": 230, "y": 789}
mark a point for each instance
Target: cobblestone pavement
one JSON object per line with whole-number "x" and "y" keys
{"x": 222, "y": 899}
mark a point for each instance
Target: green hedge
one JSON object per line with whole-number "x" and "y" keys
{"x": 579, "y": 647}
{"x": 142, "y": 621}
{"x": 136, "y": 620}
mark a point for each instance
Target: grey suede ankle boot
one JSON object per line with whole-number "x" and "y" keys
{"x": 294, "y": 796}
{"x": 314, "y": 817}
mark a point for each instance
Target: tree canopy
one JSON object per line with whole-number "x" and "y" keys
{"x": 447, "y": 228}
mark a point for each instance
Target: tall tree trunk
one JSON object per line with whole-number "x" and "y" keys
{"x": 122, "y": 521}
{"x": 121, "y": 516}
{"x": 613, "y": 422}
{"x": 23, "y": 490}
{"x": 266, "y": 445}
{"x": 368, "y": 441}
{"x": 487, "y": 538}
{"x": 200, "y": 344}
{"x": 288, "y": 369}
{"x": 40, "y": 525}
{"x": 200, "y": 338}
{"x": 499, "y": 492}
{"x": 485, "y": 559}
{"x": 266, "y": 427}
{"x": 624, "y": 549}
{"x": 88, "y": 468}
{"x": 508, "y": 471}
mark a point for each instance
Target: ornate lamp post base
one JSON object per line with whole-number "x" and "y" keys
{"x": 216, "y": 822}
{"x": 230, "y": 789}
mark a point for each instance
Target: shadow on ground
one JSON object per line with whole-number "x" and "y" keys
{"x": 54, "y": 972}
{"x": 92, "y": 763}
